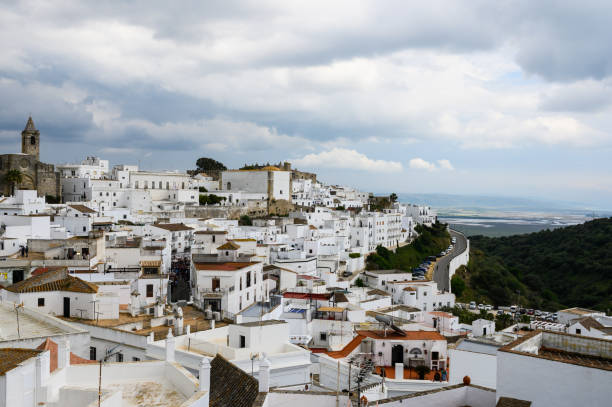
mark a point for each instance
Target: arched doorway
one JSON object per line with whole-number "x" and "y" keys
{"x": 397, "y": 354}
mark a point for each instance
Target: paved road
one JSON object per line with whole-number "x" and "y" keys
{"x": 441, "y": 270}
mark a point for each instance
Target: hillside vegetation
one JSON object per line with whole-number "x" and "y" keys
{"x": 431, "y": 241}
{"x": 565, "y": 267}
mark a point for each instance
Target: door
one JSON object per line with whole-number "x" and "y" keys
{"x": 17, "y": 276}
{"x": 67, "y": 307}
{"x": 216, "y": 283}
{"x": 397, "y": 354}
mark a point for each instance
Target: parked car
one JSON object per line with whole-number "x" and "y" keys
{"x": 530, "y": 311}
{"x": 472, "y": 305}
{"x": 500, "y": 312}
{"x": 488, "y": 307}
{"x": 481, "y": 306}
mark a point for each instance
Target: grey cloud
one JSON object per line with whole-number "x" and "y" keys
{"x": 589, "y": 96}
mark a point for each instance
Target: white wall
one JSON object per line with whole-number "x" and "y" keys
{"x": 480, "y": 367}
{"x": 548, "y": 383}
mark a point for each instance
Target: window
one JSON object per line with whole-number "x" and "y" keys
{"x": 578, "y": 331}
{"x": 41, "y": 302}
{"x": 33, "y": 140}
{"x": 84, "y": 228}
{"x": 92, "y": 353}
{"x": 135, "y": 359}
{"x": 323, "y": 336}
{"x": 242, "y": 341}
{"x": 119, "y": 357}
{"x": 149, "y": 290}
{"x": 248, "y": 282}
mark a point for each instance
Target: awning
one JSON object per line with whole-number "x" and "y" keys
{"x": 330, "y": 309}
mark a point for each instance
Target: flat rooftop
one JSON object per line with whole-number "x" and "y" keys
{"x": 565, "y": 348}
{"x": 29, "y": 326}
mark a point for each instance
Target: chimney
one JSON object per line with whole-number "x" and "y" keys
{"x": 42, "y": 375}
{"x": 264, "y": 375}
{"x": 204, "y": 374}
{"x": 188, "y": 330}
{"x": 178, "y": 321}
{"x": 134, "y": 303}
{"x": 63, "y": 353}
{"x": 170, "y": 346}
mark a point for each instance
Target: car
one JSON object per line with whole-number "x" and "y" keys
{"x": 488, "y": 307}
{"x": 347, "y": 274}
{"x": 431, "y": 258}
{"x": 530, "y": 311}
{"x": 481, "y": 306}
{"x": 537, "y": 313}
{"x": 472, "y": 305}
{"x": 513, "y": 308}
{"x": 500, "y": 312}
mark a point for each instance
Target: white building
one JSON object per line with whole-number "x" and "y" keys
{"x": 556, "y": 369}
{"x": 90, "y": 167}
{"x": 566, "y": 316}
{"x": 273, "y": 182}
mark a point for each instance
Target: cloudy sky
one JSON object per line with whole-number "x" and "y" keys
{"x": 466, "y": 97}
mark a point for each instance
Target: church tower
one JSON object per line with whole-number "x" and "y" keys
{"x": 30, "y": 140}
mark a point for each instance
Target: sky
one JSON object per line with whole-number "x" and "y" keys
{"x": 508, "y": 98}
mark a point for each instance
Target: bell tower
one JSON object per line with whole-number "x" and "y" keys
{"x": 30, "y": 140}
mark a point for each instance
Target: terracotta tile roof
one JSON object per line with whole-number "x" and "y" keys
{"x": 306, "y": 296}
{"x": 350, "y": 347}
{"x": 82, "y": 208}
{"x": 409, "y": 335}
{"x": 228, "y": 246}
{"x": 340, "y": 297}
{"x": 211, "y": 232}
{"x": 54, "y": 280}
{"x": 376, "y": 291}
{"x": 42, "y": 270}
{"x": 10, "y": 358}
{"x": 510, "y": 402}
{"x": 150, "y": 263}
{"x": 52, "y": 347}
{"x": 441, "y": 314}
{"x": 230, "y": 385}
{"x": 226, "y": 266}
{"x": 173, "y": 227}
{"x": 589, "y": 323}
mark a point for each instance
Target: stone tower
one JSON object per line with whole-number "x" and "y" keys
{"x": 30, "y": 140}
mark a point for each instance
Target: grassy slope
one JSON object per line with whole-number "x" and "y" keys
{"x": 570, "y": 266}
{"x": 430, "y": 242}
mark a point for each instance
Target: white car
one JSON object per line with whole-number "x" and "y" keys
{"x": 481, "y": 306}
{"x": 488, "y": 307}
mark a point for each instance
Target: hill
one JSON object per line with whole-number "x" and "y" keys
{"x": 552, "y": 269}
{"x": 430, "y": 241}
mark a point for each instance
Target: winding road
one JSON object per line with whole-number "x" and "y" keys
{"x": 441, "y": 269}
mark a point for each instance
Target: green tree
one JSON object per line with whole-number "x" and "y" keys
{"x": 359, "y": 283}
{"x": 13, "y": 177}
{"x": 211, "y": 199}
{"x": 457, "y": 285}
{"x": 206, "y": 164}
{"x": 245, "y": 220}
{"x": 393, "y": 197}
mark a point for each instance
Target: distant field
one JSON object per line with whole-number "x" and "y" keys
{"x": 497, "y": 229}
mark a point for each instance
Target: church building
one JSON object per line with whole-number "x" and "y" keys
{"x": 33, "y": 173}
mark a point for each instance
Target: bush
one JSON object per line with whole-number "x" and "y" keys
{"x": 457, "y": 285}
{"x": 211, "y": 199}
{"x": 202, "y": 189}
{"x": 245, "y": 220}
{"x": 422, "y": 370}
{"x": 359, "y": 283}
{"x": 354, "y": 255}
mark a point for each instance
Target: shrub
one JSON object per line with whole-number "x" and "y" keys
{"x": 354, "y": 255}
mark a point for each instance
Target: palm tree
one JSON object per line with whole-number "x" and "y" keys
{"x": 13, "y": 177}
{"x": 393, "y": 197}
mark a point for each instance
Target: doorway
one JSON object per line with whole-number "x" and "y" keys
{"x": 67, "y": 307}
{"x": 397, "y": 354}
{"x": 17, "y": 276}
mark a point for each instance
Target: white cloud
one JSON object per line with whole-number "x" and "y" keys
{"x": 421, "y": 164}
{"x": 445, "y": 165}
{"x": 343, "y": 158}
